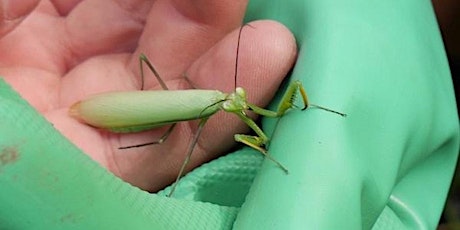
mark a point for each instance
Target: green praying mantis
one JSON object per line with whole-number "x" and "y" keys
{"x": 136, "y": 111}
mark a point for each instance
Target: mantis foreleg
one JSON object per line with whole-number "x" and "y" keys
{"x": 261, "y": 140}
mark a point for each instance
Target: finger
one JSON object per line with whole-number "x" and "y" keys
{"x": 105, "y": 26}
{"x": 178, "y": 32}
{"x": 267, "y": 50}
{"x": 13, "y": 12}
{"x": 63, "y": 7}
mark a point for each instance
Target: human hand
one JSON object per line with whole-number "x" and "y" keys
{"x": 65, "y": 51}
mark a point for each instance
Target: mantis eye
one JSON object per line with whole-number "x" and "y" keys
{"x": 240, "y": 92}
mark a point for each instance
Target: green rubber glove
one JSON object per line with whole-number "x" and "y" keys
{"x": 387, "y": 165}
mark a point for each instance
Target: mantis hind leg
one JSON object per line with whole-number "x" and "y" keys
{"x": 189, "y": 82}
{"x": 144, "y": 60}
{"x": 159, "y": 141}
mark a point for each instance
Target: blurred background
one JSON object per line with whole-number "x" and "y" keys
{"x": 448, "y": 15}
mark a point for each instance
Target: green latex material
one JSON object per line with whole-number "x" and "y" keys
{"x": 387, "y": 165}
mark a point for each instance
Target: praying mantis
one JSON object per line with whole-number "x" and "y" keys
{"x": 136, "y": 111}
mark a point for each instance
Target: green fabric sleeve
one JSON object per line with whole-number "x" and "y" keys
{"x": 47, "y": 183}
{"x": 387, "y": 165}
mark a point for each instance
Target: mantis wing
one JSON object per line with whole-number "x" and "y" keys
{"x": 135, "y": 111}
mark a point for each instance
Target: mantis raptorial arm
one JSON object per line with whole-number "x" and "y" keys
{"x": 287, "y": 102}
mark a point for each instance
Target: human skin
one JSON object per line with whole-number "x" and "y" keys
{"x": 55, "y": 53}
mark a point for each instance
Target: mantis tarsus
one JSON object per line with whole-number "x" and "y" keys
{"x": 135, "y": 111}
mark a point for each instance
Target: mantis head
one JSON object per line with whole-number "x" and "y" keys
{"x": 236, "y": 101}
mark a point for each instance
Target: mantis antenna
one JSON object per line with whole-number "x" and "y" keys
{"x": 238, "y": 51}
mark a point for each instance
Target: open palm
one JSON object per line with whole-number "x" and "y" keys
{"x": 64, "y": 51}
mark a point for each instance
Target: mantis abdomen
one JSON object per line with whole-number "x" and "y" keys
{"x": 134, "y": 111}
